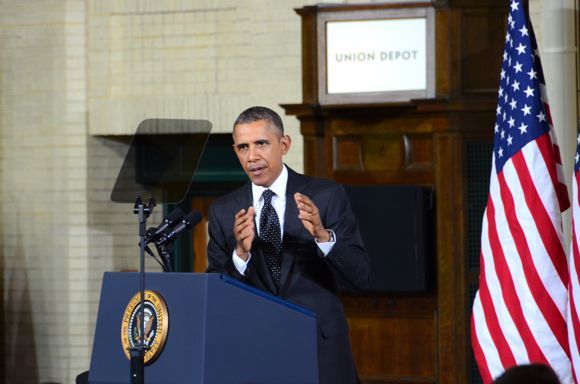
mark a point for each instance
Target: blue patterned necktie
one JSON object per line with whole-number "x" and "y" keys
{"x": 270, "y": 234}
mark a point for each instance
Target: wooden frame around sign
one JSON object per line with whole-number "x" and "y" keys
{"x": 326, "y": 98}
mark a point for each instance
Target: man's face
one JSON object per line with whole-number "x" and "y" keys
{"x": 260, "y": 149}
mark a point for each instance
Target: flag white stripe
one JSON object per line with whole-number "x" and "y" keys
{"x": 540, "y": 255}
{"x": 485, "y": 341}
{"x": 507, "y": 325}
{"x": 541, "y": 177}
{"x": 507, "y": 244}
{"x": 574, "y": 283}
{"x": 525, "y": 250}
{"x": 559, "y": 167}
{"x": 532, "y": 314}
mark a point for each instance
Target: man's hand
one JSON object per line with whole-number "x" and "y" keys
{"x": 244, "y": 232}
{"x": 310, "y": 216}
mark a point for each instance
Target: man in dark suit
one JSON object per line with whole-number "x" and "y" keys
{"x": 291, "y": 235}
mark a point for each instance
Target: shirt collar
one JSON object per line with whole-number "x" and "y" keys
{"x": 278, "y": 186}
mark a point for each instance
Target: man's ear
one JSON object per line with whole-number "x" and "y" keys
{"x": 285, "y": 142}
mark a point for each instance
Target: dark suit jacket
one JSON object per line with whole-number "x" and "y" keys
{"x": 308, "y": 279}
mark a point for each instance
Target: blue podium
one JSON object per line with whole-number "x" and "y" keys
{"x": 220, "y": 331}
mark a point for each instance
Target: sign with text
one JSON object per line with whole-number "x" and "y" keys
{"x": 376, "y": 55}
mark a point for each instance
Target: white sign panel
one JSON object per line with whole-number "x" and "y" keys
{"x": 376, "y": 55}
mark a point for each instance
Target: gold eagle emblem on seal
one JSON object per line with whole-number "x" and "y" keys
{"x": 156, "y": 324}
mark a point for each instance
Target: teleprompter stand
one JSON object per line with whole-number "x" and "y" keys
{"x": 137, "y": 353}
{"x": 159, "y": 165}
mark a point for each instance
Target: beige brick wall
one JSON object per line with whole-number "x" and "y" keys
{"x": 76, "y": 77}
{"x": 43, "y": 136}
{"x": 536, "y": 8}
{"x": 200, "y": 59}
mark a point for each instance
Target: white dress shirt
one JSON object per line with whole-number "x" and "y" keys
{"x": 279, "y": 204}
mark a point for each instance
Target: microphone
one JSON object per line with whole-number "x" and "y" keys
{"x": 189, "y": 221}
{"x": 172, "y": 218}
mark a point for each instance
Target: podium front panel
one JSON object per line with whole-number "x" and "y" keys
{"x": 269, "y": 340}
{"x": 183, "y": 296}
{"x": 220, "y": 331}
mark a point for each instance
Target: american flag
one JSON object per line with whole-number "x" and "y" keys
{"x": 519, "y": 312}
{"x": 574, "y": 288}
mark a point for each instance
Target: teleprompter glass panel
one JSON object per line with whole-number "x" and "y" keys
{"x": 161, "y": 160}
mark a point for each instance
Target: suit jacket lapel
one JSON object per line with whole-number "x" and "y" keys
{"x": 292, "y": 225}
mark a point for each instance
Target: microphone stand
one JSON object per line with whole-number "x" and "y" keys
{"x": 164, "y": 251}
{"x": 137, "y": 370}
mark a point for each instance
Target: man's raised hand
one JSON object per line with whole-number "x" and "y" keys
{"x": 244, "y": 232}
{"x": 310, "y": 216}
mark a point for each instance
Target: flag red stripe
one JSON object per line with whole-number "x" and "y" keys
{"x": 548, "y": 114}
{"x": 479, "y": 356}
{"x": 545, "y": 226}
{"x": 546, "y": 147}
{"x": 554, "y": 318}
{"x": 557, "y": 156}
{"x": 576, "y": 180}
{"x": 563, "y": 200}
{"x": 526, "y": 304}
{"x": 505, "y": 353}
{"x": 562, "y": 190}
{"x": 573, "y": 313}
{"x": 511, "y": 298}
{"x": 573, "y": 319}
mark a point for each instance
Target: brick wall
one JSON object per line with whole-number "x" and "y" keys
{"x": 202, "y": 59}
{"x": 43, "y": 135}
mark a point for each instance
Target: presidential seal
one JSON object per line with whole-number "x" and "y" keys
{"x": 155, "y": 325}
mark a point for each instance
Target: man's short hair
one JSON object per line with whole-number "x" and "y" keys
{"x": 257, "y": 113}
